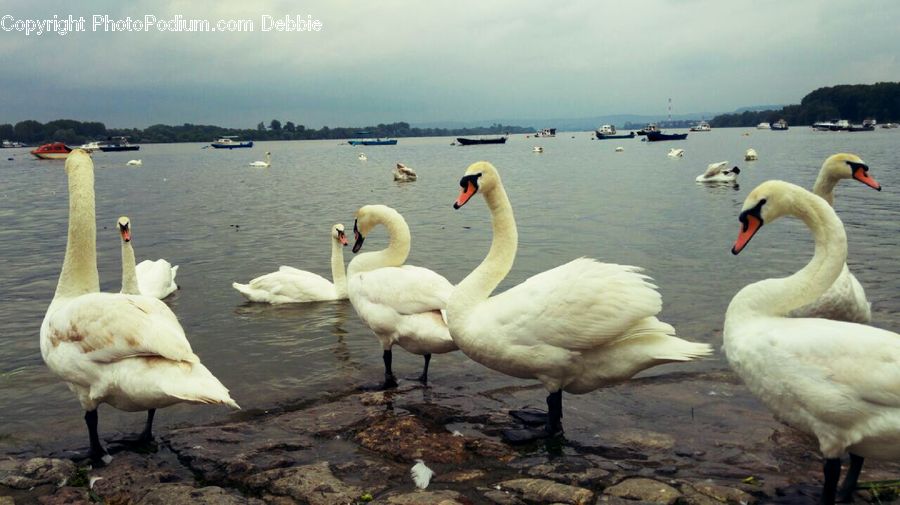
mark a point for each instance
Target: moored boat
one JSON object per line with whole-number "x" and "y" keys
{"x": 546, "y": 132}
{"x": 780, "y": 125}
{"x": 231, "y": 142}
{"x": 651, "y": 127}
{"x": 702, "y": 126}
{"x": 609, "y": 132}
{"x": 9, "y": 144}
{"x": 657, "y": 136}
{"x": 471, "y": 142}
{"x": 53, "y": 151}
{"x": 372, "y": 142}
{"x": 764, "y": 126}
{"x": 90, "y": 146}
{"x": 115, "y": 144}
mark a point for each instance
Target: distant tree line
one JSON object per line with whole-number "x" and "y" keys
{"x": 853, "y": 102}
{"x": 76, "y": 132}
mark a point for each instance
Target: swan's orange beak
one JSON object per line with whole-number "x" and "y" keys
{"x": 126, "y": 235}
{"x": 468, "y": 191}
{"x": 752, "y": 224}
{"x": 342, "y": 238}
{"x": 861, "y": 174}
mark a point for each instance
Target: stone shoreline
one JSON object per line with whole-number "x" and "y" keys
{"x": 691, "y": 439}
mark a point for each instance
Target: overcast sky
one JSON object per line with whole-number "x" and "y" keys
{"x": 426, "y": 61}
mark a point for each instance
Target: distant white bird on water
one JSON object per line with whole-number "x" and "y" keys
{"x": 537, "y": 149}
{"x": 715, "y": 172}
{"x": 676, "y": 153}
{"x": 751, "y": 155}
{"x": 134, "y": 163}
{"x": 403, "y": 173}
{"x": 263, "y": 164}
{"x": 362, "y": 157}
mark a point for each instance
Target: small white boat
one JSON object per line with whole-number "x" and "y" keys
{"x": 537, "y": 149}
{"x": 702, "y": 126}
{"x": 751, "y": 155}
{"x": 716, "y": 172}
{"x": 676, "y": 153}
{"x": 763, "y": 126}
{"x": 90, "y": 146}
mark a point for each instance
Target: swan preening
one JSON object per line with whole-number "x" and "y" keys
{"x": 362, "y": 157}
{"x": 846, "y": 299}
{"x": 750, "y": 155}
{"x": 716, "y": 172}
{"x": 290, "y": 285}
{"x": 122, "y": 349}
{"x": 676, "y": 153}
{"x": 403, "y": 173}
{"x": 150, "y": 278}
{"x": 402, "y": 304}
{"x": 263, "y": 164}
{"x": 575, "y": 328}
{"x": 836, "y": 380}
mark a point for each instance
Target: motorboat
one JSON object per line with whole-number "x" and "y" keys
{"x": 53, "y": 151}
{"x": 608, "y": 131}
{"x": 546, "y": 132}
{"x": 764, "y": 126}
{"x": 90, "y": 146}
{"x": 657, "y": 136}
{"x": 230, "y": 142}
{"x": 702, "y": 126}
{"x": 9, "y": 144}
{"x": 780, "y": 125}
{"x": 472, "y": 142}
{"x": 651, "y": 127}
{"x": 115, "y": 144}
{"x": 833, "y": 125}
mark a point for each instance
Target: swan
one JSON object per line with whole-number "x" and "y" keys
{"x": 134, "y": 163}
{"x": 263, "y": 164}
{"x": 715, "y": 173}
{"x": 578, "y": 327}
{"x": 620, "y": 149}
{"x": 150, "y": 278}
{"x": 537, "y": 149}
{"x": 676, "y": 153}
{"x": 836, "y": 380}
{"x": 402, "y": 304}
{"x": 125, "y": 350}
{"x": 291, "y": 285}
{"x": 846, "y": 299}
{"x": 403, "y": 173}
{"x": 362, "y": 157}
{"x": 750, "y": 155}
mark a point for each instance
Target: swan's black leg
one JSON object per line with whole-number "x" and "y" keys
{"x": 832, "y": 472}
{"x": 424, "y": 377}
{"x": 554, "y": 413}
{"x": 389, "y": 380}
{"x": 97, "y": 452}
{"x": 845, "y": 493}
{"x": 147, "y": 434}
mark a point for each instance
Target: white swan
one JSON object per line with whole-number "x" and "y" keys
{"x": 836, "y": 380}
{"x": 715, "y": 173}
{"x": 402, "y": 304}
{"x": 403, "y": 173}
{"x": 362, "y": 157}
{"x": 750, "y": 155}
{"x": 846, "y": 299}
{"x": 134, "y": 163}
{"x": 676, "y": 153}
{"x": 575, "y": 328}
{"x": 125, "y": 350}
{"x": 537, "y": 149}
{"x": 263, "y": 164}
{"x": 149, "y": 278}
{"x": 290, "y": 285}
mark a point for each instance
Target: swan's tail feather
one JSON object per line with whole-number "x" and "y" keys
{"x": 200, "y": 386}
{"x": 244, "y": 289}
{"x": 682, "y": 350}
{"x": 661, "y": 342}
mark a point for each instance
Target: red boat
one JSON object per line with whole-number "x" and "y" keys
{"x": 54, "y": 151}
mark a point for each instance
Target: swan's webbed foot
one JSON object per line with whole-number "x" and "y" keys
{"x": 845, "y": 492}
{"x": 529, "y": 416}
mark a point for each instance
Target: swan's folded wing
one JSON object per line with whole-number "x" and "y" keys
{"x": 291, "y": 282}
{"x": 580, "y": 305}
{"x": 714, "y": 168}
{"x": 407, "y": 289}
{"x": 108, "y": 327}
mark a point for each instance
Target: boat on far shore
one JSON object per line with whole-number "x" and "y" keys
{"x": 546, "y": 132}
{"x": 763, "y": 126}
{"x": 231, "y": 142}
{"x": 780, "y": 125}
{"x": 463, "y": 141}
{"x": 702, "y": 126}
{"x": 651, "y": 127}
{"x": 9, "y": 144}
{"x": 52, "y": 151}
{"x": 609, "y": 132}
{"x": 371, "y": 141}
{"x": 116, "y": 144}
{"x": 658, "y": 136}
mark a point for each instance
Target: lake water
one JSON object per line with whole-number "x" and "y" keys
{"x": 222, "y": 221}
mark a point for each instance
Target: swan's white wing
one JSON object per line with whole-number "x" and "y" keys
{"x": 156, "y": 278}
{"x": 294, "y": 284}
{"x": 577, "y": 306}
{"x": 714, "y": 168}
{"x": 407, "y": 289}
{"x": 109, "y": 327}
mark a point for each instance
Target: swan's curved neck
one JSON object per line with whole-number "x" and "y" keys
{"x": 824, "y": 186}
{"x": 338, "y": 276}
{"x": 394, "y": 254}
{"x": 79, "y": 270}
{"x": 129, "y": 276}
{"x": 777, "y": 297}
{"x": 481, "y": 282}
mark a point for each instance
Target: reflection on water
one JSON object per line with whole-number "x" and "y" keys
{"x": 206, "y": 211}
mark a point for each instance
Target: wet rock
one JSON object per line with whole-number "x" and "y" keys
{"x": 461, "y": 476}
{"x": 19, "y": 474}
{"x": 547, "y": 491}
{"x": 722, "y": 494}
{"x": 66, "y": 496}
{"x": 643, "y": 489}
{"x": 180, "y": 494}
{"x": 642, "y": 439}
{"x": 7, "y": 500}
{"x": 313, "y": 484}
{"x": 444, "y": 497}
{"x": 499, "y": 497}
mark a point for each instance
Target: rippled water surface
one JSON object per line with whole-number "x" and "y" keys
{"x": 222, "y": 221}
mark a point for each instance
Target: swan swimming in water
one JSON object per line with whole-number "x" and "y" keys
{"x": 263, "y": 164}
{"x": 715, "y": 172}
{"x": 125, "y": 350}
{"x": 150, "y": 278}
{"x": 134, "y": 163}
{"x": 836, "y": 380}
{"x": 575, "y": 328}
{"x": 676, "y": 153}
{"x": 846, "y": 299}
{"x": 751, "y": 155}
{"x": 403, "y": 173}
{"x": 402, "y": 304}
{"x": 291, "y": 285}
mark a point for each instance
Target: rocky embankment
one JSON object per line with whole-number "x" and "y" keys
{"x": 678, "y": 439}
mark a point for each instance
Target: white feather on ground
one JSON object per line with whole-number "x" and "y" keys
{"x": 421, "y": 474}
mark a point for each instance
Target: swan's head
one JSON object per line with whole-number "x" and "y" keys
{"x": 368, "y": 217}
{"x": 337, "y": 233}
{"x": 849, "y": 166}
{"x": 124, "y": 226}
{"x": 769, "y": 201}
{"x": 480, "y": 176}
